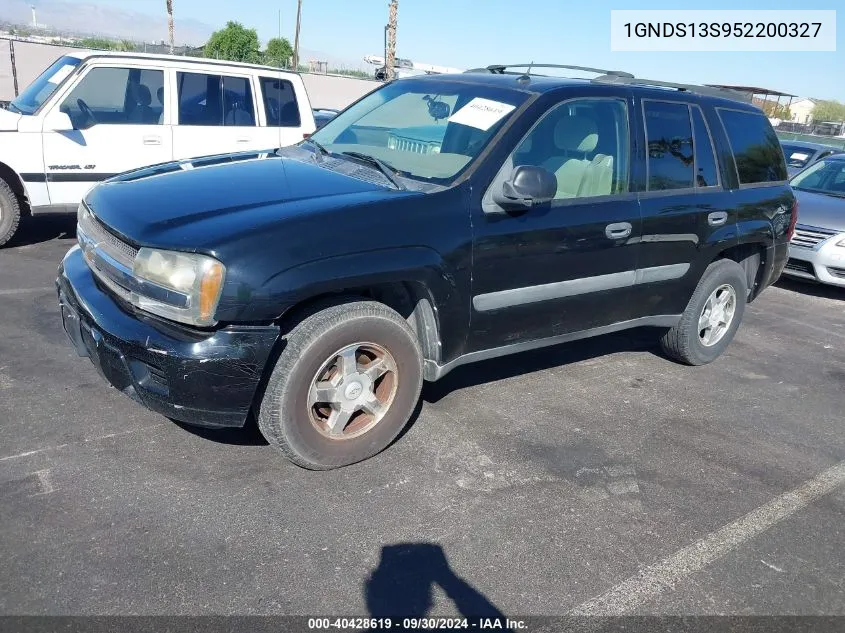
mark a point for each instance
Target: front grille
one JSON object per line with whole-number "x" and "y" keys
{"x": 810, "y": 236}
{"x": 800, "y": 266}
{"x": 105, "y": 239}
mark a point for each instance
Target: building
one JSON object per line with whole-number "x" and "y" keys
{"x": 801, "y": 111}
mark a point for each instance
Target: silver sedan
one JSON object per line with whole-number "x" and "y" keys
{"x": 817, "y": 250}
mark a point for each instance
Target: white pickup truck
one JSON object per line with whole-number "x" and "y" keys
{"x": 92, "y": 115}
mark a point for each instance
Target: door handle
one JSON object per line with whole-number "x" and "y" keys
{"x": 243, "y": 140}
{"x": 618, "y": 230}
{"x": 717, "y": 218}
{"x": 152, "y": 140}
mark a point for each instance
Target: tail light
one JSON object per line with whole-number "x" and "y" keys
{"x": 791, "y": 231}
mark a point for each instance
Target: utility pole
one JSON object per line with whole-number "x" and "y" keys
{"x": 170, "y": 23}
{"x": 390, "y": 45}
{"x": 296, "y": 37}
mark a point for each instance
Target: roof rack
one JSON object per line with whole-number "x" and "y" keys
{"x": 500, "y": 69}
{"x": 620, "y": 77}
{"x": 711, "y": 91}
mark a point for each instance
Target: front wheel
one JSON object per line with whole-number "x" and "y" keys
{"x": 10, "y": 213}
{"x": 344, "y": 386}
{"x": 712, "y": 316}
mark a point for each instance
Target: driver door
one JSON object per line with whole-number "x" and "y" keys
{"x": 121, "y": 122}
{"x": 566, "y": 266}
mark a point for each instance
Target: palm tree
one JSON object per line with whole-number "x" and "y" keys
{"x": 170, "y": 23}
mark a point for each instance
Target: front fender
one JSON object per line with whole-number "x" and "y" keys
{"x": 445, "y": 288}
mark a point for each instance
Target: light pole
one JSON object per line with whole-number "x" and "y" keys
{"x": 296, "y": 37}
{"x": 390, "y": 48}
{"x": 170, "y": 23}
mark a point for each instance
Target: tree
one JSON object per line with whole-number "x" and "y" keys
{"x": 278, "y": 52}
{"x": 100, "y": 43}
{"x": 234, "y": 43}
{"x": 828, "y": 111}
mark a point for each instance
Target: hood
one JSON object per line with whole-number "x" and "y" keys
{"x": 9, "y": 120}
{"x": 817, "y": 209}
{"x": 203, "y": 203}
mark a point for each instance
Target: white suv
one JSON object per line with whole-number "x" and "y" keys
{"x": 92, "y": 115}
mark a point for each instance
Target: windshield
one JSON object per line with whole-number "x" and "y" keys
{"x": 797, "y": 156}
{"x": 826, "y": 176}
{"x": 424, "y": 129}
{"x": 40, "y": 90}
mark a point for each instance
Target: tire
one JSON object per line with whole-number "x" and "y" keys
{"x": 300, "y": 429}
{"x": 684, "y": 342}
{"x": 10, "y": 212}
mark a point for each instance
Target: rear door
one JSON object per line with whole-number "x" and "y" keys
{"x": 687, "y": 214}
{"x": 216, "y": 114}
{"x": 286, "y": 115}
{"x": 119, "y": 118}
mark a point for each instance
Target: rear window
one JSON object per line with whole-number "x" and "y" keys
{"x": 756, "y": 149}
{"x": 280, "y": 103}
{"x": 214, "y": 100}
{"x": 670, "y": 152}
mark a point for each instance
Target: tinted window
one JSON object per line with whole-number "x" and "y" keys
{"x": 237, "y": 102}
{"x": 706, "y": 174}
{"x": 280, "y": 103}
{"x": 670, "y": 153}
{"x": 584, "y": 143}
{"x": 214, "y": 100}
{"x": 755, "y": 146}
{"x": 116, "y": 96}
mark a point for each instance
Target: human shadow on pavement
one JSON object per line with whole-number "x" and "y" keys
{"x": 403, "y": 583}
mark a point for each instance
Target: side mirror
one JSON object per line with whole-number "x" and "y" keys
{"x": 57, "y": 121}
{"x": 527, "y": 187}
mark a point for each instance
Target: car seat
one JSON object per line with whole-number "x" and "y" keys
{"x": 142, "y": 112}
{"x": 575, "y": 137}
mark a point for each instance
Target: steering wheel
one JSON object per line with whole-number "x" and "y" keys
{"x": 89, "y": 114}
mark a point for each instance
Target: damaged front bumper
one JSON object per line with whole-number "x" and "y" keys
{"x": 205, "y": 378}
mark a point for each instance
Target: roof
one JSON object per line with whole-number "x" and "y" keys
{"x": 540, "y": 84}
{"x": 86, "y": 54}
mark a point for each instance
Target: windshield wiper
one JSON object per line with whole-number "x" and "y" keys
{"x": 386, "y": 169}
{"x": 322, "y": 152}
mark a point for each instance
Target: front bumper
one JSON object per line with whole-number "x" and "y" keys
{"x": 205, "y": 378}
{"x": 825, "y": 263}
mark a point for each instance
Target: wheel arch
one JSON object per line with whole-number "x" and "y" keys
{"x": 18, "y": 188}
{"x": 753, "y": 257}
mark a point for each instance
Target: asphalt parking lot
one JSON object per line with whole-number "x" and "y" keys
{"x": 597, "y": 477}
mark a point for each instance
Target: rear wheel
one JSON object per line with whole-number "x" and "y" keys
{"x": 712, "y": 317}
{"x": 10, "y": 212}
{"x": 344, "y": 386}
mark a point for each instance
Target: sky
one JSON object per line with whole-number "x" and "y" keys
{"x": 472, "y": 33}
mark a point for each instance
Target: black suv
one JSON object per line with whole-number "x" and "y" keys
{"x": 437, "y": 221}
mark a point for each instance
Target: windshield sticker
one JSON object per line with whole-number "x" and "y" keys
{"x": 60, "y": 74}
{"x": 481, "y": 113}
{"x": 799, "y": 156}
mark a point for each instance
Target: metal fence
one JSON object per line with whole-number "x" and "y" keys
{"x": 812, "y": 138}
{"x": 21, "y": 62}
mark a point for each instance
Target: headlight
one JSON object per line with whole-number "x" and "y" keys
{"x": 841, "y": 242}
{"x": 184, "y": 287}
